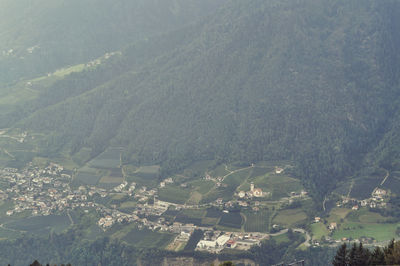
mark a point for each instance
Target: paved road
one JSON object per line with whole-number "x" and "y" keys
{"x": 308, "y": 237}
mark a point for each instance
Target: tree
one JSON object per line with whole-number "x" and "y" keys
{"x": 378, "y": 257}
{"x": 341, "y": 256}
{"x": 36, "y": 263}
{"x": 227, "y": 263}
{"x": 363, "y": 256}
{"x": 393, "y": 256}
{"x": 352, "y": 261}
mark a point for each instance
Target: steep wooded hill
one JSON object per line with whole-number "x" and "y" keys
{"x": 38, "y": 36}
{"x": 316, "y": 82}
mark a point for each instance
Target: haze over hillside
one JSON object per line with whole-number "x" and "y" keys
{"x": 165, "y": 85}
{"x": 302, "y": 80}
{"x": 38, "y": 36}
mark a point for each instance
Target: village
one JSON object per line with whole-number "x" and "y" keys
{"x": 47, "y": 191}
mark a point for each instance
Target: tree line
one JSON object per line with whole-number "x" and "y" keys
{"x": 358, "y": 255}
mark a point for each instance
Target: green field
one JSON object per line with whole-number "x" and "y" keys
{"x": 259, "y": 171}
{"x": 232, "y": 220}
{"x": 195, "y": 213}
{"x": 318, "y": 230}
{"x": 143, "y": 175}
{"x": 290, "y": 217}
{"x": 380, "y": 232}
{"x": 219, "y": 171}
{"x": 279, "y": 185}
{"x": 281, "y": 238}
{"x": 337, "y": 214}
{"x": 41, "y": 224}
{"x": 363, "y": 187}
{"x": 257, "y": 221}
{"x": 145, "y": 238}
{"x": 88, "y": 176}
{"x": 202, "y": 186}
{"x": 174, "y": 194}
{"x": 198, "y": 168}
{"x": 188, "y": 219}
{"x": 214, "y": 213}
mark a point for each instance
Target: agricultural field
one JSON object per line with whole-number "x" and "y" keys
{"x": 195, "y": 213}
{"x": 41, "y": 224}
{"x": 232, "y": 182}
{"x": 393, "y": 184}
{"x": 188, "y": 219}
{"x": 216, "y": 193}
{"x": 110, "y": 158}
{"x": 202, "y": 186}
{"x": 363, "y": 187}
{"x": 290, "y": 217}
{"x": 198, "y": 169}
{"x": 259, "y": 171}
{"x": 143, "y": 175}
{"x": 380, "y": 232}
{"x": 195, "y": 198}
{"x": 9, "y": 234}
{"x": 219, "y": 171}
{"x": 281, "y": 238}
{"x": 337, "y": 214}
{"x": 127, "y": 206}
{"x": 145, "y": 238}
{"x": 88, "y": 176}
{"x": 82, "y": 156}
{"x": 279, "y": 185}
{"x": 174, "y": 194}
{"x": 257, "y": 221}
{"x": 232, "y": 220}
{"x": 214, "y": 213}
{"x": 319, "y": 230}
{"x": 207, "y": 221}
{"x": 196, "y": 216}
{"x": 356, "y": 224}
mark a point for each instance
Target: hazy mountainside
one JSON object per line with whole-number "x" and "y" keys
{"x": 312, "y": 81}
{"x": 38, "y": 36}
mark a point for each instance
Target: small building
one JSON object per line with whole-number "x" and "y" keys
{"x": 278, "y": 170}
{"x": 222, "y": 240}
{"x": 257, "y": 192}
{"x": 231, "y": 244}
{"x": 380, "y": 192}
{"x": 333, "y": 226}
{"x": 317, "y": 219}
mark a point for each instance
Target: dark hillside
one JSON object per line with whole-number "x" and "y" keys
{"x": 310, "y": 81}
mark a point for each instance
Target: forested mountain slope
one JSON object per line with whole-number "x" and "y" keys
{"x": 39, "y": 36}
{"x": 312, "y": 81}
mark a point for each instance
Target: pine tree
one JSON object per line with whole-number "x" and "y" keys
{"x": 393, "y": 257}
{"x": 363, "y": 256}
{"x": 36, "y": 263}
{"x": 352, "y": 260}
{"x": 378, "y": 257}
{"x": 341, "y": 256}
